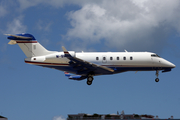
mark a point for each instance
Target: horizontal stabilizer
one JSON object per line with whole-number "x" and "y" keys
{"x": 23, "y": 36}
{"x": 12, "y": 42}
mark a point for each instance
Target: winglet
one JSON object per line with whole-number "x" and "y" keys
{"x": 66, "y": 52}
{"x": 67, "y": 74}
{"x": 125, "y": 50}
{"x": 64, "y": 49}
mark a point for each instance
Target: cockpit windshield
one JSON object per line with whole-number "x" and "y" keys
{"x": 154, "y": 55}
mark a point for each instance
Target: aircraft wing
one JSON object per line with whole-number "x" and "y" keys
{"x": 84, "y": 67}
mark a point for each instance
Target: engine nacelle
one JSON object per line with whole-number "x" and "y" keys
{"x": 36, "y": 59}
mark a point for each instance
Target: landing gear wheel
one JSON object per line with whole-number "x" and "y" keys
{"x": 89, "y": 80}
{"x": 157, "y": 79}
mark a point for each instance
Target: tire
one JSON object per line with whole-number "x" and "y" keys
{"x": 157, "y": 79}
{"x": 90, "y": 79}
{"x": 89, "y": 82}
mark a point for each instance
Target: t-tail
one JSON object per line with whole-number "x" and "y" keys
{"x": 28, "y": 44}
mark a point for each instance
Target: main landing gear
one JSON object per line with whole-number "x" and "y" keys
{"x": 157, "y": 74}
{"x": 90, "y": 79}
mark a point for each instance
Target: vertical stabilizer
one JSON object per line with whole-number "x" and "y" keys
{"x": 28, "y": 44}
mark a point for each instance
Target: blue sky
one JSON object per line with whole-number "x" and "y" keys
{"x": 32, "y": 93}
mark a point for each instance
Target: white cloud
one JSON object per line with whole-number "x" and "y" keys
{"x": 3, "y": 10}
{"x": 41, "y": 25}
{"x": 140, "y": 3}
{"x": 87, "y": 22}
{"x": 16, "y": 26}
{"x": 119, "y": 24}
{"x": 24, "y": 4}
{"x": 59, "y": 118}
{"x": 126, "y": 24}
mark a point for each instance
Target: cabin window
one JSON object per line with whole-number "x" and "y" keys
{"x": 104, "y": 58}
{"x": 111, "y": 58}
{"x": 117, "y": 58}
{"x": 131, "y": 58}
{"x": 124, "y": 58}
{"x": 97, "y": 58}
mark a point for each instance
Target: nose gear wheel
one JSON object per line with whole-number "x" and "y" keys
{"x": 157, "y": 74}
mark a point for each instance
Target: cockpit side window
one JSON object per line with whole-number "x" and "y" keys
{"x": 154, "y": 55}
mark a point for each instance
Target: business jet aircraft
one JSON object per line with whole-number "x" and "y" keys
{"x": 88, "y": 64}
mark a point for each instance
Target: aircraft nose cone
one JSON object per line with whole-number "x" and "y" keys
{"x": 172, "y": 65}
{"x": 168, "y": 64}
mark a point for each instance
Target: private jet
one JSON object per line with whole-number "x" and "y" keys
{"x": 86, "y": 65}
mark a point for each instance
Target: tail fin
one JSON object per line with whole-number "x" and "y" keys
{"x": 28, "y": 44}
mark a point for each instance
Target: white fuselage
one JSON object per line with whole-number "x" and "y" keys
{"x": 119, "y": 61}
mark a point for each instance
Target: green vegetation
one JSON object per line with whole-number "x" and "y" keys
{"x": 85, "y": 115}
{"x": 136, "y": 116}
{"x": 108, "y": 116}
{"x": 96, "y": 115}
{"x": 1, "y": 116}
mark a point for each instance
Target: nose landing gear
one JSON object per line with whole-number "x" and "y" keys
{"x": 157, "y": 74}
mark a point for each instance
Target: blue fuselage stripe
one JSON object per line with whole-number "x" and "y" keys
{"x": 116, "y": 69}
